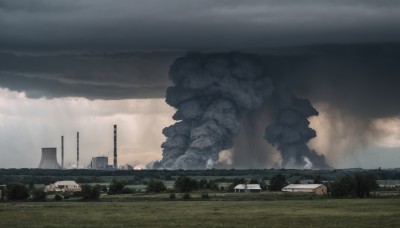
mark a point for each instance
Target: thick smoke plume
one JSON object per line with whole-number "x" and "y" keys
{"x": 290, "y": 132}
{"x": 210, "y": 93}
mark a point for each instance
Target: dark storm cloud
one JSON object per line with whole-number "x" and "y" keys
{"x": 363, "y": 79}
{"x": 191, "y": 24}
{"x": 360, "y": 78}
{"x": 95, "y": 76}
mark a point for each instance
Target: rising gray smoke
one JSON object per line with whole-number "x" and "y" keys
{"x": 211, "y": 92}
{"x": 290, "y": 132}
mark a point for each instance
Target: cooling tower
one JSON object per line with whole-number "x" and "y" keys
{"x": 49, "y": 159}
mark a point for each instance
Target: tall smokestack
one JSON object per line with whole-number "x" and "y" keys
{"x": 77, "y": 150}
{"x": 115, "y": 147}
{"x": 62, "y": 152}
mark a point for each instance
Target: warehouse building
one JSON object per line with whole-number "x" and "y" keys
{"x": 247, "y": 188}
{"x": 318, "y": 189}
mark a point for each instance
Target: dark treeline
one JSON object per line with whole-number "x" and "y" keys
{"x": 42, "y": 176}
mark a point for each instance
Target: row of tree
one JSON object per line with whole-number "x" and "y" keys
{"x": 356, "y": 185}
{"x": 42, "y": 176}
{"x": 350, "y": 185}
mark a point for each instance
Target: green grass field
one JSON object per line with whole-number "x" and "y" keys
{"x": 280, "y": 213}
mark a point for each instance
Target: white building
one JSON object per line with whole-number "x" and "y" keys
{"x": 63, "y": 186}
{"x": 247, "y": 188}
{"x": 318, "y": 189}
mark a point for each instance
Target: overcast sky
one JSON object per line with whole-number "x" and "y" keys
{"x": 84, "y": 65}
{"x": 192, "y": 24}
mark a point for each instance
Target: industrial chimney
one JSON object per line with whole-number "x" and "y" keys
{"x": 77, "y": 150}
{"x": 49, "y": 159}
{"x": 115, "y": 147}
{"x": 62, "y": 152}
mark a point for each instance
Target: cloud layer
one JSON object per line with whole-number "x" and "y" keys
{"x": 192, "y": 25}
{"x": 361, "y": 79}
{"x": 97, "y": 76}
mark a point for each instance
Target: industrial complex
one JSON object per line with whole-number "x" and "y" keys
{"x": 49, "y": 157}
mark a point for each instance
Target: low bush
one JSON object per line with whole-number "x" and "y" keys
{"x": 156, "y": 186}
{"x": 205, "y": 195}
{"x": 17, "y": 191}
{"x": 90, "y": 192}
{"x": 186, "y": 196}
{"x": 58, "y": 198}
{"x": 127, "y": 190}
{"x": 172, "y": 196}
{"x": 38, "y": 195}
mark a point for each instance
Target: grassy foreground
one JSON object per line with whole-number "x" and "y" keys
{"x": 285, "y": 213}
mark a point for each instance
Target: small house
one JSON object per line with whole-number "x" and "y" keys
{"x": 318, "y": 189}
{"x": 247, "y": 188}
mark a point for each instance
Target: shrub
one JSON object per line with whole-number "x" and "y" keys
{"x": 127, "y": 190}
{"x": 102, "y": 188}
{"x": 263, "y": 185}
{"x": 253, "y": 181}
{"x": 210, "y": 184}
{"x": 205, "y": 195}
{"x": 186, "y": 196}
{"x": 90, "y": 193}
{"x": 172, "y": 196}
{"x": 156, "y": 186}
{"x": 66, "y": 196}
{"x": 277, "y": 182}
{"x": 38, "y": 195}
{"x": 17, "y": 191}
{"x": 356, "y": 185}
{"x": 186, "y": 184}
{"x": 116, "y": 187}
{"x": 58, "y": 198}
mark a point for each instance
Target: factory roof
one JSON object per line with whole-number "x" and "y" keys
{"x": 100, "y": 157}
{"x": 302, "y": 186}
{"x": 248, "y": 186}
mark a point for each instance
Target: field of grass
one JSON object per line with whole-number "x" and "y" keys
{"x": 213, "y": 196}
{"x": 280, "y": 213}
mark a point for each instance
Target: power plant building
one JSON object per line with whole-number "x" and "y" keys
{"x": 100, "y": 163}
{"x": 49, "y": 159}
